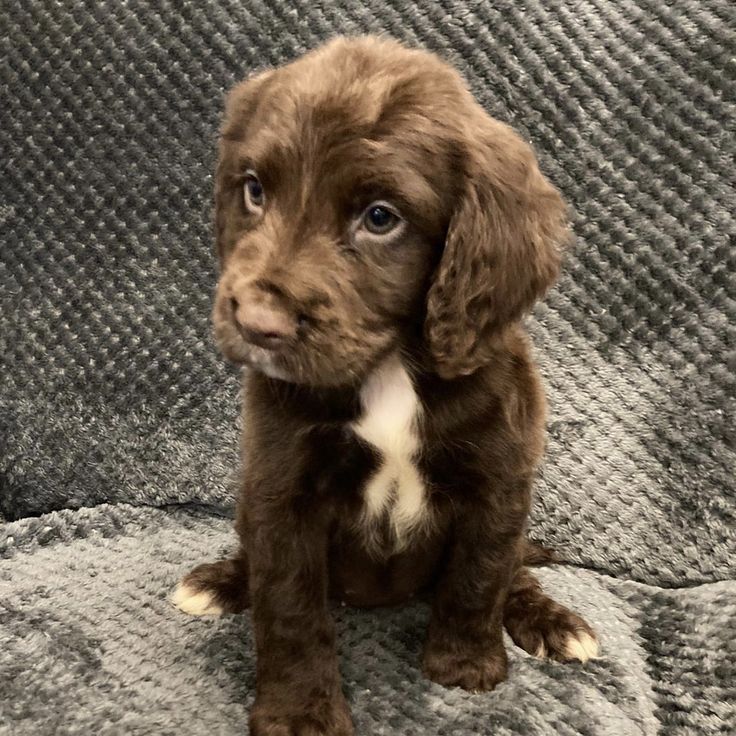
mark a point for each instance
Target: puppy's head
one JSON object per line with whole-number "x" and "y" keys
{"x": 365, "y": 201}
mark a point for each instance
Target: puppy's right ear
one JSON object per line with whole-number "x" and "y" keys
{"x": 240, "y": 109}
{"x": 502, "y": 250}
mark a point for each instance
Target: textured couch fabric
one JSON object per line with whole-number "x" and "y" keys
{"x": 89, "y": 644}
{"x": 119, "y": 423}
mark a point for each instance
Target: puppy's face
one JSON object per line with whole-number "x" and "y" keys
{"x": 343, "y": 182}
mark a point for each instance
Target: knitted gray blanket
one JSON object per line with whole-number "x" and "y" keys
{"x": 119, "y": 423}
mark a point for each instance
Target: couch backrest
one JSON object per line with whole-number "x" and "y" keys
{"x": 111, "y": 387}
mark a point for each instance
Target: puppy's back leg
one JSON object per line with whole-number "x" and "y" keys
{"x": 214, "y": 588}
{"x": 543, "y": 627}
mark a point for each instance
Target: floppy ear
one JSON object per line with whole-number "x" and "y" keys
{"x": 502, "y": 250}
{"x": 241, "y": 105}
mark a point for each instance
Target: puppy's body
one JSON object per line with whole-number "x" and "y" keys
{"x": 380, "y": 238}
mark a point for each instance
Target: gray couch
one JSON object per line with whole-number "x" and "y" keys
{"x": 118, "y": 421}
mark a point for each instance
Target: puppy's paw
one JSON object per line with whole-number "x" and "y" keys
{"x": 471, "y": 670}
{"x": 581, "y": 645}
{"x": 196, "y": 603}
{"x": 213, "y": 589}
{"x": 323, "y": 717}
{"x": 554, "y": 632}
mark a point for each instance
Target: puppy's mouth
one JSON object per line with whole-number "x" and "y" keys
{"x": 271, "y": 362}
{"x": 298, "y": 360}
{"x": 267, "y": 361}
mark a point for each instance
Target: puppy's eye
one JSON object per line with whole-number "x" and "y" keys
{"x": 253, "y": 194}
{"x": 380, "y": 219}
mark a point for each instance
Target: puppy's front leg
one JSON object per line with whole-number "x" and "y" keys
{"x": 465, "y": 642}
{"x": 298, "y": 690}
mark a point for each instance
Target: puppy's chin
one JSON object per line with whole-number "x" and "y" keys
{"x": 267, "y": 362}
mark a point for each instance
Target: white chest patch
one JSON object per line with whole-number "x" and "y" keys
{"x": 390, "y": 423}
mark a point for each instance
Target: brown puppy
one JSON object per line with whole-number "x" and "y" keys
{"x": 380, "y": 238}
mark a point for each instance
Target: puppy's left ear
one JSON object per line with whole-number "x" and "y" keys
{"x": 502, "y": 250}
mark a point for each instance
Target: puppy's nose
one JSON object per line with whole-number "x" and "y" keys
{"x": 263, "y": 325}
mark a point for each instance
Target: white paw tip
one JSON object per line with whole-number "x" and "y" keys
{"x": 186, "y": 599}
{"x": 581, "y": 646}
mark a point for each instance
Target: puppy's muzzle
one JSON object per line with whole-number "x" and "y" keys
{"x": 265, "y": 325}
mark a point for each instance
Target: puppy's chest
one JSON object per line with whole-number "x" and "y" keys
{"x": 395, "y": 503}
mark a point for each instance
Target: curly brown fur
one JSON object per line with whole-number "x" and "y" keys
{"x": 393, "y": 414}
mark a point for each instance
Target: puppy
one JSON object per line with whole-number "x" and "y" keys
{"x": 380, "y": 238}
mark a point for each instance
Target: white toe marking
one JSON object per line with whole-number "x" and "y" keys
{"x": 582, "y": 646}
{"x": 186, "y": 599}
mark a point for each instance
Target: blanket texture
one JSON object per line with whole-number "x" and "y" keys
{"x": 119, "y": 423}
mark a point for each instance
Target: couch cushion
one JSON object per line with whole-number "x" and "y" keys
{"x": 90, "y": 644}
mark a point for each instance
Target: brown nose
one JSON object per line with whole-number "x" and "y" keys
{"x": 266, "y": 326}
